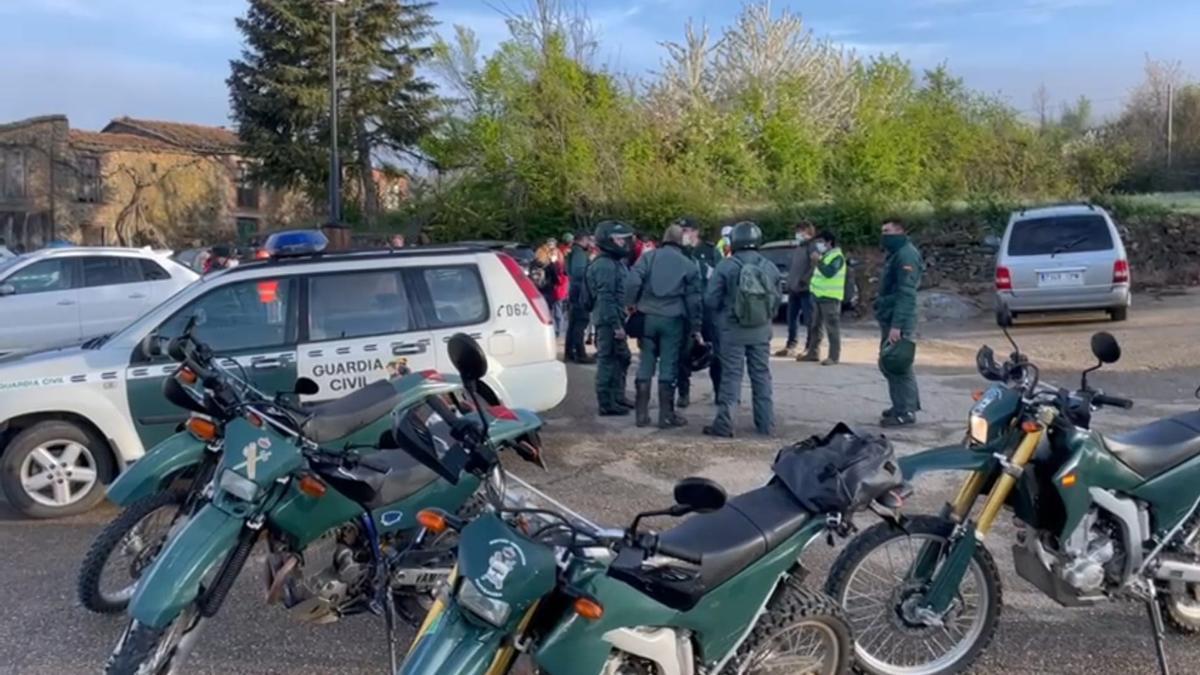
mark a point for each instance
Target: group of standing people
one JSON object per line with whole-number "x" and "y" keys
{"x": 693, "y": 306}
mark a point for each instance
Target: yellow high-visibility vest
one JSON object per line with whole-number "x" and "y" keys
{"x": 830, "y": 288}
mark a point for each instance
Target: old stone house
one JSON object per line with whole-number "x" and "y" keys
{"x": 134, "y": 182}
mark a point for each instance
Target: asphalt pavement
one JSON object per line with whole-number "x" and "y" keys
{"x": 608, "y": 470}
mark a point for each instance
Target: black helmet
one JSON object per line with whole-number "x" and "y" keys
{"x": 612, "y": 236}
{"x": 745, "y": 236}
{"x": 699, "y": 355}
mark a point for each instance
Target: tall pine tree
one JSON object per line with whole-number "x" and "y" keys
{"x": 279, "y": 88}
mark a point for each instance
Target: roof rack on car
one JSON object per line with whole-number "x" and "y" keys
{"x": 357, "y": 254}
{"x": 1051, "y": 205}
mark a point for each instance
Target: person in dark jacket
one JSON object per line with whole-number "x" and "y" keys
{"x": 896, "y": 312}
{"x": 664, "y": 286}
{"x": 800, "y": 302}
{"x": 744, "y": 321}
{"x": 605, "y": 291}
{"x": 577, "y": 315}
{"x": 692, "y": 248}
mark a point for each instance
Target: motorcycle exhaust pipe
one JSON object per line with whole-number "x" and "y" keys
{"x": 1178, "y": 570}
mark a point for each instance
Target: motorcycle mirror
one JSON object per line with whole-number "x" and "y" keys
{"x": 699, "y": 495}
{"x": 306, "y": 387}
{"x": 1106, "y": 348}
{"x": 468, "y": 357}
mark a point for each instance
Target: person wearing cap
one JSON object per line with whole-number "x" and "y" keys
{"x": 683, "y": 375}
{"x": 577, "y": 315}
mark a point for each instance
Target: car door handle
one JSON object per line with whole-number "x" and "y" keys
{"x": 66, "y": 303}
{"x": 266, "y": 364}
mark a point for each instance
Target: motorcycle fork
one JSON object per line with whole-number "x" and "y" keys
{"x": 945, "y": 581}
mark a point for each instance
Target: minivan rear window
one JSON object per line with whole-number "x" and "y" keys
{"x": 1060, "y": 234}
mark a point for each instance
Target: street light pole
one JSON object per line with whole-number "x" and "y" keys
{"x": 335, "y": 173}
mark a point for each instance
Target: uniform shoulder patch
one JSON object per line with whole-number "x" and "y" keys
{"x": 906, "y": 268}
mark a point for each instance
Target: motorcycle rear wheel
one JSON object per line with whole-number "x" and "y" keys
{"x": 803, "y": 632}
{"x": 869, "y": 581}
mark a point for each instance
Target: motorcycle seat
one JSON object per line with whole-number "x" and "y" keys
{"x": 382, "y": 478}
{"x": 726, "y": 541}
{"x": 1158, "y": 446}
{"x": 353, "y": 412}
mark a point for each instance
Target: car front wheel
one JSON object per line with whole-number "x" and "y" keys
{"x": 55, "y": 468}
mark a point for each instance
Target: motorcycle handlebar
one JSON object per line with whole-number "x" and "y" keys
{"x": 1113, "y": 401}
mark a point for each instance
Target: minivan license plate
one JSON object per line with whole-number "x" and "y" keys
{"x": 1060, "y": 278}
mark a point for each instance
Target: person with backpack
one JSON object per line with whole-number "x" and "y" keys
{"x": 603, "y": 294}
{"x": 743, "y": 295}
{"x": 664, "y": 289}
{"x": 828, "y": 290}
{"x": 577, "y": 315}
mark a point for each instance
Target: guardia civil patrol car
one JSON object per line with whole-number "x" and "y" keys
{"x": 72, "y": 418}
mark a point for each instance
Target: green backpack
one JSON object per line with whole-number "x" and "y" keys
{"x": 753, "y": 304}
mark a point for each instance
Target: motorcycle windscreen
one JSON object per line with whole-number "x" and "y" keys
{"x": 505, "y": 567}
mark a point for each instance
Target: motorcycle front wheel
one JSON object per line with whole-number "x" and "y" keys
{"x": 143, "y": 650}
{"x": 871, "y": 580}
{"x": 124, "y": 549}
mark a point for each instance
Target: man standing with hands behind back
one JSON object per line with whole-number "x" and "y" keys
{"x": 896, "y": 311}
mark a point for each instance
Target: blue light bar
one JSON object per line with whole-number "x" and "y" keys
{"x": 295, "y": 243}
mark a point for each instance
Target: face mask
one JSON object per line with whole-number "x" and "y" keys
{"x": 822, "y": 247}
{"x": 892, "y": 242}
{"x": 801, "y": 237}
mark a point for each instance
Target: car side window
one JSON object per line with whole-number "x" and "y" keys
{"x": 152, "y": 271}
{"x": 358, "y": 304}
{"x": 43, "y": 276}
{"x": 457, "y": 295}
{"x": 250, "y": 314}
{"x": 109, "y": 271}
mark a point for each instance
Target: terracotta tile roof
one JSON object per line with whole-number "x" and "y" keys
{"x": 95, "y": 141}
{"x": 194, "y": 137}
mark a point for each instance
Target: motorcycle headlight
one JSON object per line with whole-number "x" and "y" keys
{"x": 978, "y": 427}
{"x": 490, "y": 610}
{"x": 238, "y": 485}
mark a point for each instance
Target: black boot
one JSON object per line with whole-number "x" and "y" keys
{"x": 641, "y": 403}
{"x": 621, "y": 399}
{"x": 683, "y": 396}
{"x": 667, "y": 419}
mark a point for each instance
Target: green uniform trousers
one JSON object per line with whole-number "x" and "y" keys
{"x": 612, "y": 362}
{"x": 661, "y": 345}
{"x": 828, "y": 322}
{"x": 896, "y": 364}
{"x": 755, "y": 359}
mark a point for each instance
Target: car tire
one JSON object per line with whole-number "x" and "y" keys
{"x": 1119, "y": 313}
{"x": 54, "y": 440}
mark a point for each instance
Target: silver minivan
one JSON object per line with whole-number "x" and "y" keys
{"x": 1063, "y": 258}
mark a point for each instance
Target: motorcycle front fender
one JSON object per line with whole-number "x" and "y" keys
{"x": 955, "y": 457}
{"x": 146, "y": 476}
{"x": 452, "y": 643}
{"x": 173, "y": 579}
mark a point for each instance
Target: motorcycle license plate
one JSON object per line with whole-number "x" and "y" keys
{"x": 1060, "y": 278}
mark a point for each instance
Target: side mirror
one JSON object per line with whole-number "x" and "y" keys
{"x": 150, "y": 347}
{"x": 306, "y": 386}
{"x": 468, "y": 357}
{"x": 1106, "y": 348}
{"x": 699, "y": 495}
{"x": 7, "y": 289}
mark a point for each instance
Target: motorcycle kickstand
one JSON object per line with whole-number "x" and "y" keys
{"x": 389, "y": 610}
{"x": 1156, "y": 621}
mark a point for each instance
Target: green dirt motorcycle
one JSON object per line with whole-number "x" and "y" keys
{"x": 341, "y": 530}
{"x": 721, "y": 592}
{"x": 1099, "y": 517}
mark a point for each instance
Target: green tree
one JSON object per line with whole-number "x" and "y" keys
{"x": 279, "y": 89}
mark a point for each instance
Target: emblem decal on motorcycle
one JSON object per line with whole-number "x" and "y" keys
{"x": 264, "y": 442}
{"x": 390, "y": 518}
{"x": 253, "y": 457}
{"x": 506, "y": 557}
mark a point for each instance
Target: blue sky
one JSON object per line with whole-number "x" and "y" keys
{"x": 168, "y": 59}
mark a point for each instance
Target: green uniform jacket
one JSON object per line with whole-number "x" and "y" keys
{"x": 577, "y": 264}
{"x": 606, "y": 284}
{"x": 722, "y": 289}
{"x": 665, "y": 282}
{"x": 896, "y": 306}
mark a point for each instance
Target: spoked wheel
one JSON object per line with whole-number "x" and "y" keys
{"x": 143, "y": 650}
{"x": 893, "y": 634}
{"x": 803, "y": 632}
{"x": 125, "y": 549}
{"x": 1181, "y": 602}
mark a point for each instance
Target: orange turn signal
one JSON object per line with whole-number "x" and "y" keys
{"x": 433, "y": 521}
{"x": 254, "y": 419}
{"x": 1030, "y": 427}
{"x": 1069, "y": 480}
{"x": 202, "y": 428}
{"x": 588, "y": 608}
{"x": 977, "y": 395}
{"x": 186, "y": 376}
{"x": 311, "y": 486}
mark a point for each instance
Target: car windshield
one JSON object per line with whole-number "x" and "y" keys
{"x": 1060, "y": 234}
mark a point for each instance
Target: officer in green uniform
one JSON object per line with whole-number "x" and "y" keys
{"x": 743, "y": 295}
{"x": 691, "y": 248}
{"x": 577, "y": 315}
{"x": 606, "y": 293}
{"x": 896, "y": 311}
{"x": 664, "y": 286}
{"x": 828, "y": 288}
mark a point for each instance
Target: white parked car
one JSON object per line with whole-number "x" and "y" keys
{"x": 341, "y": 319}
{"x": 62, "y": 296}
